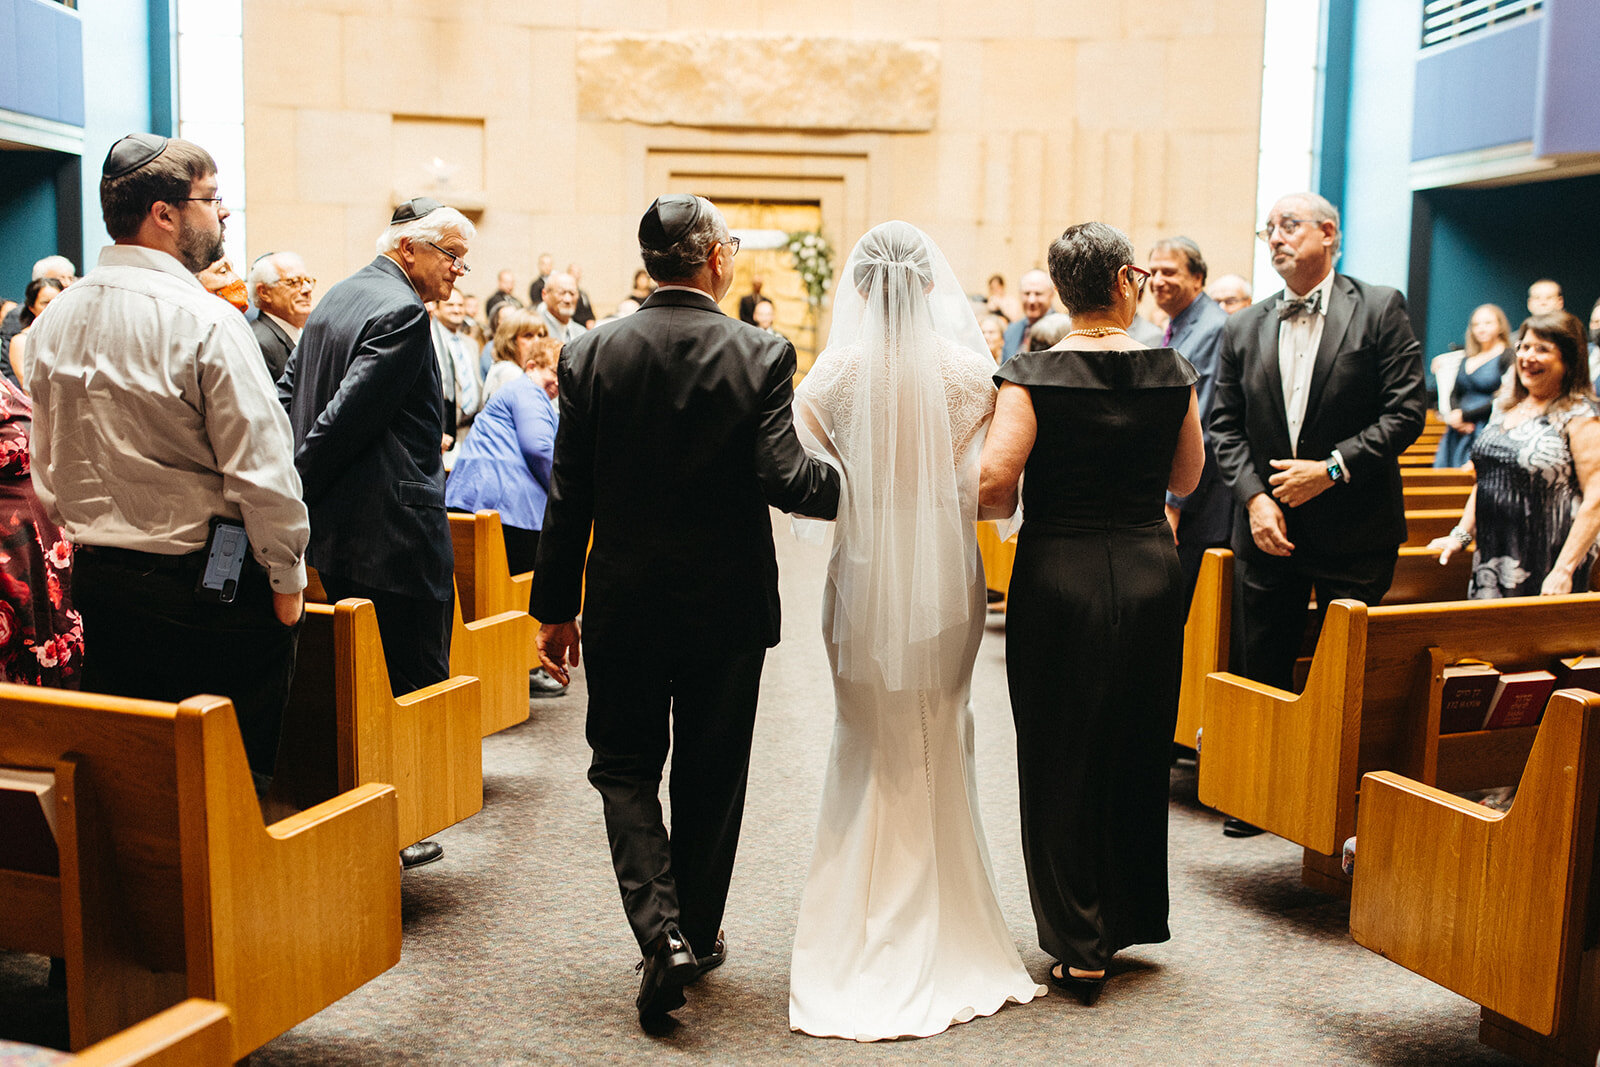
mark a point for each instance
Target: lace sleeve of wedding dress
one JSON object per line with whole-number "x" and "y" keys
{"x": 879, "y": 400}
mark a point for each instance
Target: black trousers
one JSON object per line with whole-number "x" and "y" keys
{"x": 638, "y": 691}
{"x": 1270, "y": 594}
{"x": 522, "y": 546}
{"x": 415, "y": 632}
{"x": 146, "y": 635}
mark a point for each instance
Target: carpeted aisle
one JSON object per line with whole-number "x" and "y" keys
{"x": 516, "y": 949}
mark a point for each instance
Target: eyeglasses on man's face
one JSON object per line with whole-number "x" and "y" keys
{"x": 732, "y": 244}
{"x": 302, "y": 281}
{"x": 456, "y": 261}
{"x": 1288, "y": 225}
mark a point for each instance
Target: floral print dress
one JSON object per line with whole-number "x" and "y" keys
{"x": 1528, "y": 494}
{"x": 41, "y": 637}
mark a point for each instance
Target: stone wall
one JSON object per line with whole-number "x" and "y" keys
{"x": 993, "y": 127}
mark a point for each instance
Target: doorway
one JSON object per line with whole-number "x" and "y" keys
{"x": 758, "y": 223}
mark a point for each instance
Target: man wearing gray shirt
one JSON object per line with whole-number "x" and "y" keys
{"x": 154, "y": 421}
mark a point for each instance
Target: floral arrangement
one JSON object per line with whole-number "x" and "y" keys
{"x": 812, "y": 257}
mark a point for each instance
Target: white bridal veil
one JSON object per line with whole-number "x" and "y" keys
{"x": 880, "y": 400}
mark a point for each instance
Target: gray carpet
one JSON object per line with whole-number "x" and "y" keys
{"x": 516, "y": 949}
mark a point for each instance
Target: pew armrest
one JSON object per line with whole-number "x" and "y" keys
{"x": 195, "y": 1033}
{"x": 1489, "y": 905}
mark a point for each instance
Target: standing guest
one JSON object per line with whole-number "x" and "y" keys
{"x": 643, "y": 286}
{"x": 625, "y": 307}
{"x": 547, "y": 263}
{"x": 994, "y": 334}
{"x": 765, "y": 313}
{"x": 515, "y": 341}
{"x": 1101, "y": 427}
{"x": 35, "y": 298}
{"x": 41, "y": 637}
{"x": 1594, "y": 341}
{"x": 1473, "y": 385}
{"x": 1319, "y": 389}
{"x": 1545, "y": 296}
{"x": 365, "y": 398}
{"x": 458, "y": 366}
{"x": 1145, "y": 331}
{"x": 141, "y": 378}
{"x": 583, "y": 310}
{"x": 220, "y": 280}
{"x": 997, "y": 301}
{"x": 281, "y": 288}
{"x": 1204, "y": 518}
{"x": 1231, "y": 292}
{"x": 1535, "y": 510}
{"x": 560, "y": 307}
{"x": 675, "y": 438}
{"x": 748, "y": 302}
{"x": 505, "y": 292}
{"x": 504, "y": 464}
{"x": 1037, "y": 299}
{"x": 59, "y": 268}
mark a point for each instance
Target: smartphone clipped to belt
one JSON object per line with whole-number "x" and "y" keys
{"x": 226, "y": 549}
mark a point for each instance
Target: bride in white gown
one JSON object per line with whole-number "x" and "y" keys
{"x": 900, "y": 932}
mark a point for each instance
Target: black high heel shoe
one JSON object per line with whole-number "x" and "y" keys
{"x": 1087, "y": 990}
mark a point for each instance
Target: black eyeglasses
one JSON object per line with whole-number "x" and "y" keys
{"x": 455, "y": 261}
{"x": 213, "y": 200}
{"x": 733, "y": 243}
{"x": 1289, "y": 224}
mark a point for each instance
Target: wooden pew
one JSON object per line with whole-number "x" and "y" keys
{"x": 196, "y": 1033}
{"x": 169, "y": 883}
{"x": 1292, "y": 764}
{"x": 1462, "y": 476}
{"x": 493, "y": 639}
{"x": 1418, "y": 579}
{"x": 1500, "y": 908}
{"x": 1421, "y": 497}
{"x": 344, "y": 726}
{"x": 1424, "y": 526}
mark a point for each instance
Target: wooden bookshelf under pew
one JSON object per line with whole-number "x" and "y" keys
{"x": 1292, "y": 764}
{"x": 171, "y": 885}
{"x": 1501, "y": 908}
{"x": 345, "y": 726}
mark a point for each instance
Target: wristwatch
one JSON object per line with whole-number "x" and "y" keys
{"x": 1335, "y": 471}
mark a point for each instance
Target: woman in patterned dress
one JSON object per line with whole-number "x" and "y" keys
{"x": 1535, "y": 511}
{"x": 41, "y": 637}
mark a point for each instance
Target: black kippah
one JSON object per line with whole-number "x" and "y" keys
{"x": 668, "y": 221}
{"x": 414, "y": 208}
{"x": 131, "y": 153}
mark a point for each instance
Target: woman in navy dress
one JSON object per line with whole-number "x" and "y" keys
{"x": 1102, "y": 427}
{"x": 1477, "y": 381}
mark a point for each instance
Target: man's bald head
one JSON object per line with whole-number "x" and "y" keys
{"x": 1037, "y": 294}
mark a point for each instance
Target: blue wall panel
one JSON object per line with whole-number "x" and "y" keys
{"x": 1569, "y": 105}
{"x": 1479, "y": 93}
{"x": 41, "y": 51}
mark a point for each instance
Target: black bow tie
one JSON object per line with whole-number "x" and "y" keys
{"x": 1288, "y": 309}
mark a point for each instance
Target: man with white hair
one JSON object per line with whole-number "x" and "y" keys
{"x": 58, "y": 267}
{"x": 366, "y": 401}
{"x": 1038, "y": 298}
{"x": 1231, "y": 292}
{"x": 280, "y": 288}
{"x": 1319, "y": 389}
{"x": 560, "y": 307}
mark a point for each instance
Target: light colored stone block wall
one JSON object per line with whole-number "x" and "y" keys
{"x": 991, "y": 126}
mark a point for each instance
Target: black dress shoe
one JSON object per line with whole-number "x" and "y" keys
{"x": 540, "y": 684}
{"x": 716, "y": 958}
{"x": 668, "y": 966}
{"x": 1087, "y": 990}
{"x": 420, "y": 854}
{"x": 1232, "y": 827}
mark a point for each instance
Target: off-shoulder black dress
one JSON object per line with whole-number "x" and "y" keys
{"x": 1094, "y": 640}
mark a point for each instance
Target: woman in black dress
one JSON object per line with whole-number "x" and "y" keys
{"x": 1102, "y": 427}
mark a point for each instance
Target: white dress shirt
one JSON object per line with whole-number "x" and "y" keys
{"x": 153, "y": 413}
{"x": 571, "y": 331}
{"x": 1298, "y": 338}
{"x": 287, "y": 327}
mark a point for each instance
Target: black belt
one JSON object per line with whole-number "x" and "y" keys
{"x": 146, "y": 561}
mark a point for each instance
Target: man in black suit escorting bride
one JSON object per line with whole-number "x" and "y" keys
{"x": 675, "y": 435}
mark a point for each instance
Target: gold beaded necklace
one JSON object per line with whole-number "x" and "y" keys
{"x": 1097, "y": 331}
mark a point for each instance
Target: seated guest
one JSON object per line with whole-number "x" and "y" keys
{"x": 1473, "y": 385}
{"x": 642, "y": 286}
{"x": 514, "y": 340}
{"x": 998, "y": 302}
{"x": 35, "y": 298}
{"x": 504, "y": 464}
{"x": 1535, "y": 511}
{"x": 41, "y": 637}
